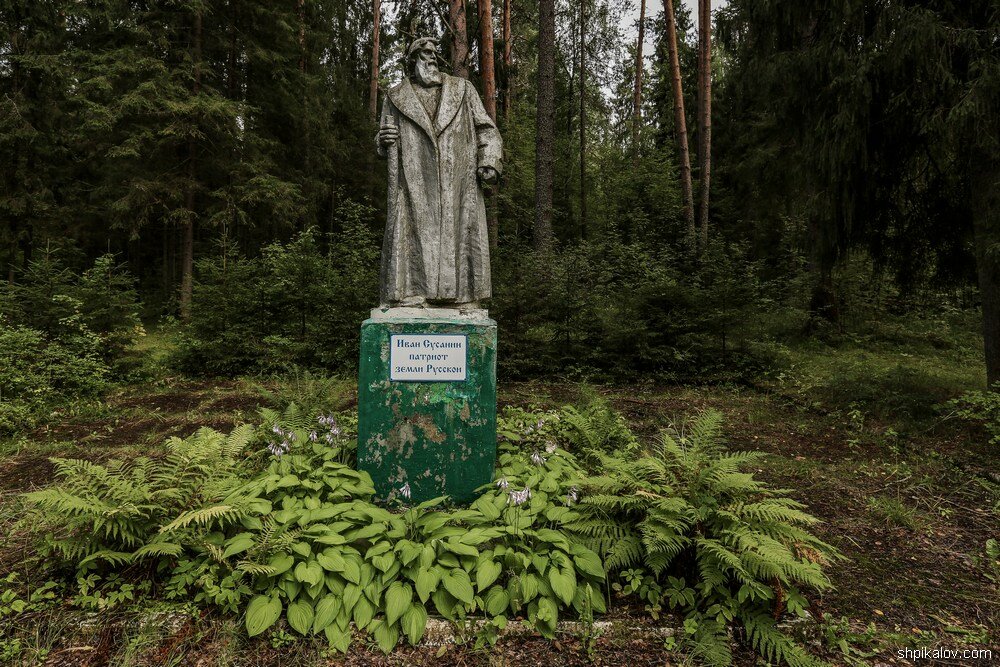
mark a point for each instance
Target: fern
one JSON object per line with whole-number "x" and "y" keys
{"x": 774, "y": 645}
{"x": 690, "y": 511}
{"x": 114, "y": 512}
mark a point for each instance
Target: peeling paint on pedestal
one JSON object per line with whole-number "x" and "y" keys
{"x": 438, "y": 437}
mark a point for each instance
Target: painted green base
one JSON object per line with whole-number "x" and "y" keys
{"x": 438, "y": 437}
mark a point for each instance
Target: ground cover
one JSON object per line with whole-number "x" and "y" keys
{"x": 910, "y": 500}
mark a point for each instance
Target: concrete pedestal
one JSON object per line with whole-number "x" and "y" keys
{"x": 427, "y": 403}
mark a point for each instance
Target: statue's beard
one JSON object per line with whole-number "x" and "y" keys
{"x": 427, "y": 74}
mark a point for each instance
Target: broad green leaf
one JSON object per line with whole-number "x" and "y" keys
{"x": 352, "y": 571}
{"x": 529, "y": 587}
{"x": 364, "y": 612}
{"x": 397, "y": 600}
{"x": 414, "y": 622}
{"x": 563, "y": 584}
{"x": 331, "y": 560}
{"x": 486, "y": 573}
{"x": 281, "y": 563}
{"x": 262, "y": 612}
{"x": 589, "y": 563}
{"x": 352, "y": 593}
{"x": 455, "y": 546}
{"x": 238, "y": 544}
{"x": 445, "y": 603}
{"x": 547, "y": 616}
{"x": 339, "y": 638}
{"x": 309, "y": 572}
{"x": 427, "y": 581}
{"x": 496, "y": 601}
{"x": 291, "y": 587}
{"x": 385, "y": 562}
{"x": 457, "y": 583}
{"x": 386, "y": 636}
{"x": 300, "y": 616}
{"x": 326, "y": 611}
{"x": 377, "y": 550}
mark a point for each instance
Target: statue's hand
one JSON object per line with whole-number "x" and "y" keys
{"x": 488, "y": 175}
{"x": 387, "y": 135}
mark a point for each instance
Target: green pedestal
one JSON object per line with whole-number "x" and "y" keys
{"x": 426, "y": 416}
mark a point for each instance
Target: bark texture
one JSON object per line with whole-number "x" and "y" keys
{"x": 459, "y": 39}
{"x": 373, "y": 84}
{"x": 187, "y": 241}
{"x": 680, "y": 120}
{"x": 545, "y": 123}
{"x": 985, "y": 199}
{"x": 637, "y": 93}
{"x": 705, "y": 113}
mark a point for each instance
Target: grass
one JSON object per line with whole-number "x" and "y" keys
{"x": 905, "y": 492}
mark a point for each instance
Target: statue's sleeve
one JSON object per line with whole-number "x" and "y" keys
{"x": 490, "y": 145}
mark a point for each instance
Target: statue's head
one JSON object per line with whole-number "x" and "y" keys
{"x": 421, "y": 62}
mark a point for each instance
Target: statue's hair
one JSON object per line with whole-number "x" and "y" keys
{"x": 417, "y": 44}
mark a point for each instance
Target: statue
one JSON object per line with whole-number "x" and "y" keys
{"x": 442, "y": 147}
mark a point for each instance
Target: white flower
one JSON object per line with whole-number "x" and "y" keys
{"x": 518, "y": 497}
{"x": 502, "y": 483}
{"x": 405, "y": 491}
{"x": 573, "y": 496}
{"x": 537, "y": 459}
{"x": 279, "y": 448}
{"x": 313, "y": 437}
{"x": 550, "y": 446}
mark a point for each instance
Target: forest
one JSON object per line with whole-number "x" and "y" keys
{"x": 746, "y": 279}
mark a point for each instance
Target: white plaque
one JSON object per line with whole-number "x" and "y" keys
{"x": 427, "y": 357}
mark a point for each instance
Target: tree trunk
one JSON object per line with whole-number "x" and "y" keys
{"x": 680, "y": 122}
{"x": 507, "y": 51}
{"x": 187, "y": 265}
{"x": 637, "y": 95}
{"x": 583, "y": 119}
{"x": 984, "y": 183}
{"x": 486, "y": 67}
{"x": 705, "y": 111}
{"x": 545, "y": 123}
{"x": 459, "y": 39}
{"x": 373, "y": 85}
{"x": 488, "y": 73}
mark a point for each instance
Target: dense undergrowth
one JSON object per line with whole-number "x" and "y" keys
{"x": 273, "y": 523}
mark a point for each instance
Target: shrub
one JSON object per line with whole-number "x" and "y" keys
{"x": 299, "y": 304}
{"x": 610, "y": 310}
{"x": 981, "y": 407}
{"x": 38, "y": 373}
{"x": 60, "y": 303}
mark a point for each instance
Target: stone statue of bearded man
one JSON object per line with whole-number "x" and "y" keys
{"x": 442, "y": 147}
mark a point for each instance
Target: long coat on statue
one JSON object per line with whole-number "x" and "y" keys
{"x": 436, "y": 244}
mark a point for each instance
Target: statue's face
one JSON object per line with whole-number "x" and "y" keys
{"x": 425, "y": 69}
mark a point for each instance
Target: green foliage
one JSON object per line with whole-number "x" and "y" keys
{"x": 298, "y": 304}
{"x": 303, "y": 541}
{"x": 608, "y": 309}
{"x": 113, "y": 513}
{"x": 38, "y": 372}
{"x": 598, "y": 429}
{"x": 724, "y": 547}
{"x": 61, "y": 303}
{"x": 981, "y": 407}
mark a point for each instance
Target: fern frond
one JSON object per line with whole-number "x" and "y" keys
{"x": 770, "y": 642}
